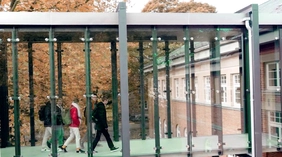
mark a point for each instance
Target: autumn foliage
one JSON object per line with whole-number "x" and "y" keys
{"x": 73, "y": 60}
{"x": 164, "y": 6}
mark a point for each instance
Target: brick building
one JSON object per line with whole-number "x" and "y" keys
{"x": 228, "y": 106}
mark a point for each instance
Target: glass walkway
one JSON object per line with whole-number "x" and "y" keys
{"x": 209, "y": 84}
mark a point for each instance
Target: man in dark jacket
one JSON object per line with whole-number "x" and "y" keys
{"x": 100, "y": 118}
{"x": 59, "y": 126}
{"x": 84, "y": 138}
{"x": 47, "y": 125}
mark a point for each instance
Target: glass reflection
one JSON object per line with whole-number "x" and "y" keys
{"x": 270, "y": 52}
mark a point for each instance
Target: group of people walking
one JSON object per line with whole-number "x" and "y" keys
{"x": 99, "y": 121}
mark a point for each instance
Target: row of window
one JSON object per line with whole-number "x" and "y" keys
{"x": 164, "y": 131}
{"x": 227, "y": 98}
{"x": 230, "y": 86}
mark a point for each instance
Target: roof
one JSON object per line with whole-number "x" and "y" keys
{"x": 270, "y": 6}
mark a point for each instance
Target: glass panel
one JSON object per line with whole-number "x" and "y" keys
{"x": 218, "y": 105}
{"x": 142, "y": 135}
{"x": 215, "y": 91}
{"x": 68, "y": 41}
{"x": 34, "y": 84}
{"x": 215, "y": 87}
{"x": 270, "y": 51}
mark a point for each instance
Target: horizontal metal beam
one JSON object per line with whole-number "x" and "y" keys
{"x": 146, "y": 19}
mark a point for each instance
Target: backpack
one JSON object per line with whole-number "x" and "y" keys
{"x": 66, "y": 116}
{"x": 41, "y": 113}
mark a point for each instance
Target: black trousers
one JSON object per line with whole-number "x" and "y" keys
{"x": 98, "y": 136}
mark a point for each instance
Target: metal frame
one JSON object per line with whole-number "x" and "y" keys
{"x": 138, "y": 19}
{"x": 256, "y": 97}
{"x": 122, "y": 20}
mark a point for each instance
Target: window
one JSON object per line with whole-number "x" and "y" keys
{"x": 272, "y": 74}
{"x": 207, "y": 89}
{"x": 184, "y": 88}
{"x": 223, "y": 89}
{"x": 165, "y": 129}
{"x": 196, "y": 86}
{"x": 146, "y": 105}
{"x": 176, "y": 88}
{"x": 236, "y": 90}
{"x": 178, "y": 131}
{"x": 185, "y": 132}
{"x": 159, "y": 86}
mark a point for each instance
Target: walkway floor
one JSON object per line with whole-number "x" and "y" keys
{"x": 202, "y": 146}
{"x": 137, "y": 148}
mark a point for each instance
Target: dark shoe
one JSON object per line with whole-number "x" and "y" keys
{"x": 64, "y": 149}
{"x": 114, "y": 149}
{"x": 48, "y": 144}
{"x": 80, "y": 151}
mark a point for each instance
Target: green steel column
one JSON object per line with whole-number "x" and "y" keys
{"x": 87, "y": 41}
{"x": 167, "y": 71}
{"x": 51, "y": 41}
{"x": 280, "y": 66}
{"x": 31, "y": 94}
{"x": 142, "y": 93}
{"x": 115, "y": 90}
{"x": 256, "y": 84}
{"x": 246, "y": 86}
{"x": 156, "y": 92}
{"x": 59, "y": 62}
{"x": 215, "y": 81}
{"x": 188, "y": 91}
{"x": 277, "y": 112}
{"x": 193, "y": 96}
{"x": 16, "y": 93}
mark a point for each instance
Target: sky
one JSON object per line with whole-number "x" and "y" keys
{"x": 222, "y": 6}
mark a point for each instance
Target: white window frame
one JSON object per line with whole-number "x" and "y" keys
{"x": 236, "y": 84}
{"x": 196, "y": 87}
{"x": 176, "y": 87}
{"x": 207, "y": 85}
{"x": 178, "y": 133}
{"x": 223, "y": 89}
{"x": 184, "y": 88}
{"x": 165, "y": 129}
{"x": 268, "y": 70}
{"x": 160, "y": 125}
{"x": 146, "y": 105}
{"x": 185, "y": 132}
{"x": 159, "y": 86}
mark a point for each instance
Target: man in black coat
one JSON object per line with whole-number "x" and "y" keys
{"x": 47, "y": 126}
{"x": 99, "y": 116}
{"x": 59, "y": 126}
